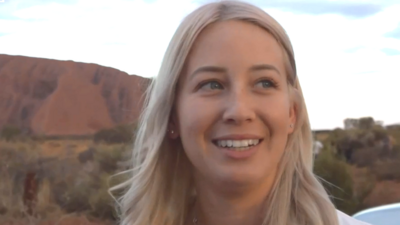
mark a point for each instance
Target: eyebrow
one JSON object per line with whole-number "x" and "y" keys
{"x": 217, "y": 69}
{"x": 213, "y": 69}
{"x": 264, "y": 67}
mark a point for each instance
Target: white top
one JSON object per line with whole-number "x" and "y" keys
{"x": 348, "y": 220}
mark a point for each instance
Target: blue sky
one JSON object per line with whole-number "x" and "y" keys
{"x": 347, "y": 51}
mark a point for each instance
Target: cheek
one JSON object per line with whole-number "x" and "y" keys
{"x": 278, "y": 112}
{"x": 284, "y": 112}
{"x": 195, "y": 119}
{"x": 278, "y": 120}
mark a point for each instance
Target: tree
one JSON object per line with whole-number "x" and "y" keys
{"x": 366, "y": 123}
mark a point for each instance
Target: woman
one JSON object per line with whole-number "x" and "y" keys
{"x": 225, "y": 137}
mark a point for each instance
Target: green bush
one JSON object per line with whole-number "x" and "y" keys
{"x": 10, "y": 133}
{"x": 101, "y": 202}
{"x": 118, "y": 134}
{"x": 73, "y": 197}
{"x": 108, "y": 157}
{"x": 337, "y": 180}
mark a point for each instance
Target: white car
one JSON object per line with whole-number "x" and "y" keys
{"x": 381, "y": 215}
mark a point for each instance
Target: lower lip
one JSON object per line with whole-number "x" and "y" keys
{"x": 240, "y": 154}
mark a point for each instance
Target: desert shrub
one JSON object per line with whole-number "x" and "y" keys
{"x": 395, "y": 135}
{"x": 87, "y": 155}
{"x": 9, "y": 202}
{"x": 387, "y": 169}
{"x": 16, "y": 160}
{"x": 346, "y": 146}
{"x": 365, "y": 157}
{"x": 59, "y": 190}
{"x": 337, "y": 180}
{"x": 77, "y": 194}
{"x": 118, "y": 134}
{"x": 361, "y": 147}
{"x": 334, "y": 136}
{"x": 109, "y": 156}
{"x": 65, "y": 185}
{"x": 101, "y": 202}
{"x": 380, "y": 133}
{"x": 45, "y": 206}
{"x": 10, "y": 132}
{"x": 88, "y": 194}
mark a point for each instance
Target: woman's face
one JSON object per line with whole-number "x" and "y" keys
{"x": 233, "y": 112}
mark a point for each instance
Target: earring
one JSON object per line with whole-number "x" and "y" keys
{"x": 172, "y": 131}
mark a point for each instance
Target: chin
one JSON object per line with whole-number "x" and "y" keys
{"x": 238, "y": 177}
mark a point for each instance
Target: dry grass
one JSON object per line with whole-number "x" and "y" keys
{"x": 64, "y": 148}
{"x": 72, "y": 178}
{"x": 49, "y": 148}
{"x": 68, "y": 189}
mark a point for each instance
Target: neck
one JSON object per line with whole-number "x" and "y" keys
{"x": 227, "y": 204}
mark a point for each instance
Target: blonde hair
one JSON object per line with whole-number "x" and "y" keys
{"x": 160, "y": 186}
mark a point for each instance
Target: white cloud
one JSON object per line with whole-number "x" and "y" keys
{"x": 341, "y": 65}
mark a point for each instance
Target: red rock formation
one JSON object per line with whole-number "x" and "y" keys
{"x": 54, "y": 97}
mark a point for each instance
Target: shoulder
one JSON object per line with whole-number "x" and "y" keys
{"x": 344, "y": 219}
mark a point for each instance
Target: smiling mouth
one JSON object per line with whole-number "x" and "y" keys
{"x": 237, "y": 145}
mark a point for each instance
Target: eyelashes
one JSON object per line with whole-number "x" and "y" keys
{"x": 267, "y": 83}
{"x": 211, "y": 85}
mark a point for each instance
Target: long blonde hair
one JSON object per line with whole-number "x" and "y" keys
{"x": 160, "y": 187}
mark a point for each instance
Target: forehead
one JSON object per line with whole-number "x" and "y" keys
{"x": 235, "y": 42}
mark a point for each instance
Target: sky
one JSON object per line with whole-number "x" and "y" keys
{"x": 347, "y": 51}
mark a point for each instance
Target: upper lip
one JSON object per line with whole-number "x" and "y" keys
{"x": 237, "y": 137}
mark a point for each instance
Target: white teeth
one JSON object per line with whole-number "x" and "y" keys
{"x": 239, "y": 144}
{"x": 223, "y": 143}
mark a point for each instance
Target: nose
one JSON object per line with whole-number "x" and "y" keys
{"x": 239, "y": 107}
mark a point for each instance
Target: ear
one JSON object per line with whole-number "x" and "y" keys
{"x": 173, "y": 128}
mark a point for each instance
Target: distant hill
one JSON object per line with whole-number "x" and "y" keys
{"x": 51, "y": 97}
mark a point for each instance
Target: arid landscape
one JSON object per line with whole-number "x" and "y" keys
{"x": 67, "y": 127}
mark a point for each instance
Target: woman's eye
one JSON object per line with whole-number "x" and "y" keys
{"x": 266, "y": 84}
{"x": 212, "y": 85}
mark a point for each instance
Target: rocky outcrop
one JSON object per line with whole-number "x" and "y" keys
{"x": 52, "y": 97}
